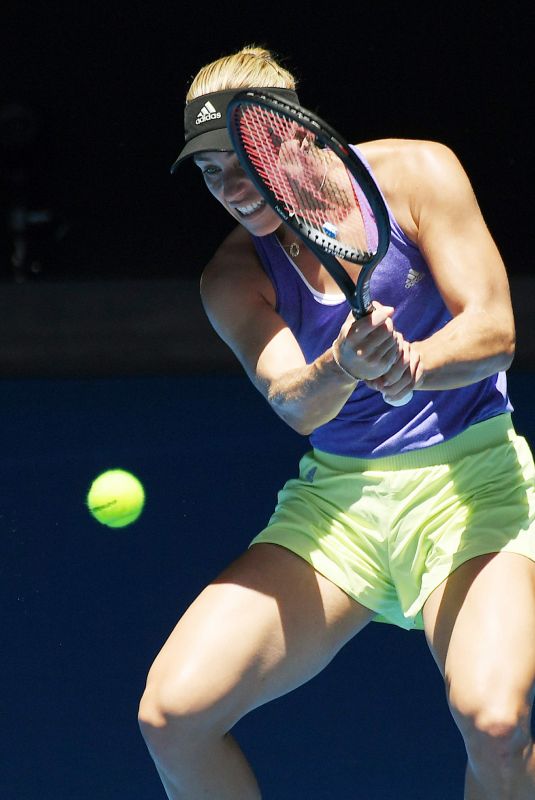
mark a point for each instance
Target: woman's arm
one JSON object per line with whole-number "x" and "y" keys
{"x": 469, "y": 273}
{"x": 239, "y": 301}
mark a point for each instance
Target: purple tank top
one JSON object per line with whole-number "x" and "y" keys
{"x": 367, "y": 427}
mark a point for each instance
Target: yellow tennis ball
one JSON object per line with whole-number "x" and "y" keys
{"x": 116, "y": 498}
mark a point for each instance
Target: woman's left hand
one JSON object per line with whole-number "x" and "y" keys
{"x": 405, "y": 375}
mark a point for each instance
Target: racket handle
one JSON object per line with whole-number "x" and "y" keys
{"x": 401, "y": 401}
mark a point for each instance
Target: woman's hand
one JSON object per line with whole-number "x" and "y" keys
{"x": 405, "y": 374}
{"x": 368, "y": 348}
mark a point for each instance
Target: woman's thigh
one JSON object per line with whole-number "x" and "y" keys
{"x": 266, "y": 625}
{"x": 480, "y": 625}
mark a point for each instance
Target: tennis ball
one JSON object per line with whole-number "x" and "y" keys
{"x": 116, "y": 498}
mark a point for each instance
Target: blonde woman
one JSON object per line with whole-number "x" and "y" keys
{"x": 420, "y": 516}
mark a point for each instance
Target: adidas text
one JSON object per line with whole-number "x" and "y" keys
{"x": 207, "y": 113}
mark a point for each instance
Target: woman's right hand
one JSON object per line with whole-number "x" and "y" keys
{"x": 368, "y": 347}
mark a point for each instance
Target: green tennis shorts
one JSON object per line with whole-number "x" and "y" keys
{"x": 389, "y": 530}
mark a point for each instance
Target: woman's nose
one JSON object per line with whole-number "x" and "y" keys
{"x": 235, "y": 183}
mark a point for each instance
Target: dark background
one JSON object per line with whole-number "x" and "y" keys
{"x": 107, "y": 361}
{"x": 86, "y": 608}
{"x": 100, "y": 88}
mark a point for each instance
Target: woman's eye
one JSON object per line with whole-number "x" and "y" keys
{"x": 210, "y": 171}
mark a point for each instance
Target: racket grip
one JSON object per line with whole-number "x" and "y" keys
{"x": 401, "y": 401}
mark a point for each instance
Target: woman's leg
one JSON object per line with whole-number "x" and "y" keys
{"x": 480, "y": 625}
{"x": 268, "y": 624}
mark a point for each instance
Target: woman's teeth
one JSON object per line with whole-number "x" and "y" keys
{"x": 245, "y": 211}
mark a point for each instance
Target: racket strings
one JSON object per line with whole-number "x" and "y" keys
{"x": 309, "y": 181}
{"x": 290, "y": 167}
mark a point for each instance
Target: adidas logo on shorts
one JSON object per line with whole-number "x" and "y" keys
{"x": 413, "y": 277}
{"x": 207, "y": 112}
{"x": 311, "y": 474}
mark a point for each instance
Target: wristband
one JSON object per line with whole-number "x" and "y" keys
{"x": 344, "y": 370}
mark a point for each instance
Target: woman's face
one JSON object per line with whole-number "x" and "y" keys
{"x": 229, "y": 184}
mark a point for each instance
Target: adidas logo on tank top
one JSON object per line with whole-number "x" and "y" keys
{"x": 413, "y": 277}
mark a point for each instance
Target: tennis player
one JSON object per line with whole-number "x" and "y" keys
{"x": 421, "y": 516}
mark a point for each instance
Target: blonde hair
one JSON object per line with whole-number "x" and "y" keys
{"x": 250, "y": 66}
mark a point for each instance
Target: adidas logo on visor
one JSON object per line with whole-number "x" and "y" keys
{"x": 207, "y": 113}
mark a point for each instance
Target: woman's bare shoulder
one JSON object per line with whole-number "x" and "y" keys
{"x": 235, "y": 271}
{"x": 410, "y": 156}
{"x": 406, "y": 171}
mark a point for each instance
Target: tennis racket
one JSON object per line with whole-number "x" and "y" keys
{"x": 318, "y": 186}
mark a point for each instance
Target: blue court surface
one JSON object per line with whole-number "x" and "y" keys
{"x": 86, "y": 608}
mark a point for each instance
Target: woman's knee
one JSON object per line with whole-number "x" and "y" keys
{"x": 185, "y": 707}
{"x": 495, "y": 725}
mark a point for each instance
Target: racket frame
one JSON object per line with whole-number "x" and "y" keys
{"x": 326, "y": 250}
